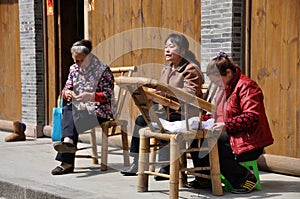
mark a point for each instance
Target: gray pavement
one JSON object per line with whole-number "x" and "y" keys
{"x": 25, "y": 173}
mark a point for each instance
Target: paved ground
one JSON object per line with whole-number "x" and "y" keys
{"x": 25, "y": 173}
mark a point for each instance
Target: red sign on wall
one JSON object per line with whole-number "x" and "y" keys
{"x": 50, "y": 7}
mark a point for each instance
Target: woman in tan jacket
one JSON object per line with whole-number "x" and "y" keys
{"x": 182, "y": 71}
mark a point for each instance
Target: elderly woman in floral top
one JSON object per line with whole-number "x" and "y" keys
{"x": 87, "y": 93}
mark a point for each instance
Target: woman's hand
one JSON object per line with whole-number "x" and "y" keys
{"x": 219, "y": 127}
{"x": 69, "y": 95}
{"x": 152, "y": 90}
{"x": 84, "y": 97}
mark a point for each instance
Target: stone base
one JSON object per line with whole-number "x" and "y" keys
{"x": 114, "y": 141}
{"x": 35, "y": 131}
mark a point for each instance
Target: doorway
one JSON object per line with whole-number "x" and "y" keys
{"x": 62, "y": 28}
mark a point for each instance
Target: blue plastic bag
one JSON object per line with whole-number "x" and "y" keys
{"x": 56, "y": 131}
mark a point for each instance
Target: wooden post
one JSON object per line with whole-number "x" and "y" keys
{"x": 142, "y": 184}
{"x": 104, "y": 146}
{"x": 86, "y": 19}
{"x": 215, "y": 167}
{"x": 174, "y": 168}
{"x": 94, "y": 146}
{"x": 183, "y": 164}
{"x": 125, "y": 144}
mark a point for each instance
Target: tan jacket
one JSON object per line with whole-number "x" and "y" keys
{"x": 187, "y": 76}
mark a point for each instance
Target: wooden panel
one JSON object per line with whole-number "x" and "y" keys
{"x": 52, "y": 66}
{"x": 10, "y": 68}
{"x": 297, "y": 7}
{"x": 136, "y": 24}
{"x": 288, "y": 79}
{"x": 119, "y": 21}
{"x": 131, "y": 20}
{"x": 275, "y": 66}
{"x": 153, "y": 57}
{"x": 196, "y": 34}
{"x": 134, "y": 14}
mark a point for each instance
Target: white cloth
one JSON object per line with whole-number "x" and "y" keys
{"x": 178, "y": 126}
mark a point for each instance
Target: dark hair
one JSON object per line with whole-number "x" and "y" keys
{"x": 180, "y": 40}
{"x": 190, "y": 56}
{"x": 82, "y": 46}
{"x": 220, "y": 64}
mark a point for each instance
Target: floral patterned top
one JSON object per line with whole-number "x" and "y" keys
{"x": 96, "y": 78}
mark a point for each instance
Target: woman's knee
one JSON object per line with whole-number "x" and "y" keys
{"x": 140, "y": 121}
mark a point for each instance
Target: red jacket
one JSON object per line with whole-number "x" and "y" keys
{"x": 244, "y": 96}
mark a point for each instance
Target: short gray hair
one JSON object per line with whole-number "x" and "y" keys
{"x": 80, "y": 49}
{"x": 82, "y": 46}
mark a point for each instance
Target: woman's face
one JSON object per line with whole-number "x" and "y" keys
{"x": 217, "y": 79}
{"x": 221, "y": 80}
{"x": 80, "y": 59}
{"x": 172, "y": 52}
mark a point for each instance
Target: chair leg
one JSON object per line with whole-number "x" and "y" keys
{"x": 153, "y": 141}
{"x": 215, "y": 168}
{"x": 104, "y": 148}
{"x": 174, "y": 168}
{"x": 125, "y": 145}
{"x": 182, "y": 164}
{"x": 142, "y": 184}
{"x": 94, "y": 146}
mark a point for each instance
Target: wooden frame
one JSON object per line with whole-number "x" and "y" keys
{"x": 177, "y": 171}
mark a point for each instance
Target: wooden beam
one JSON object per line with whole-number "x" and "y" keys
{"x": 279, "y": 164}
{"x": 6, "y": 125}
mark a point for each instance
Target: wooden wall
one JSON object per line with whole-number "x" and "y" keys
{"x": 123, "y": 30}
{"x": 118, "y": 16}
{"x": 10, "y": 80}
{"x": 275, "y": 65}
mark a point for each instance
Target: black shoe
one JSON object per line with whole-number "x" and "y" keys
{"x": 132, "y": 171}
{"x": 247, "y": 186}
{"x": 59, "y": 170}
{"x": 200, "y": 183}
{"x": 164, "y": 170}
{"x": 65, "y": 147}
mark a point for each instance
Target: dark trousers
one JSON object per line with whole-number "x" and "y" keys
{"x": 164, "y": 152}
{"x": 83, "y": 122}
{"x": 229, "y": 162}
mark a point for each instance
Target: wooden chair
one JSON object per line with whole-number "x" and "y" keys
{"x": 208, "y": 90}
{"x": 113, "y": 127}
{"x": 178, "y": 169}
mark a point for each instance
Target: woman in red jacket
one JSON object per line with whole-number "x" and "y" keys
{"x": 243, "y": 114}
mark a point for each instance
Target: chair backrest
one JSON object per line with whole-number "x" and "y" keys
{"x": 120, "y": 93}
{"x": 136, "y": 86}
{"x": 209, "y": 91}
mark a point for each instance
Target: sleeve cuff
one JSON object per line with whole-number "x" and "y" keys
{"x": 99, "y": 97}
